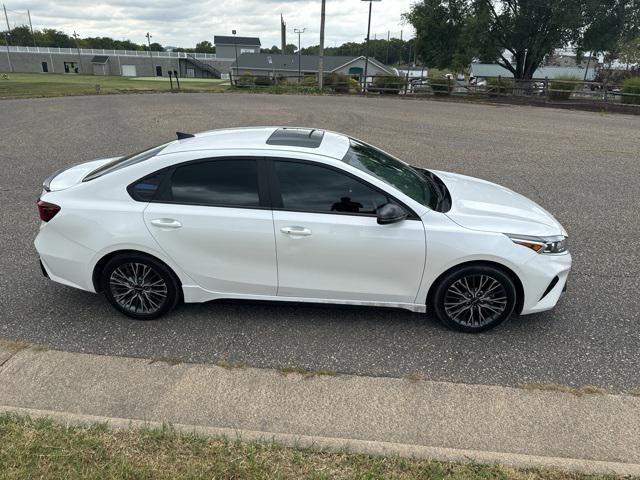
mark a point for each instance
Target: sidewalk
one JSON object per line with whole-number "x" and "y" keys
{"x": 444, "y": 421}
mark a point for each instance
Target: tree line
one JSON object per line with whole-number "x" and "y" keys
{"x": 50, "y": 37}
{"x": 391, "y": 52}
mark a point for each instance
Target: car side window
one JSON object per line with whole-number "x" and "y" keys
{"x": 145, "y": 189}
{"x": 313, "y": 188}
{"x": 232, "y": 183}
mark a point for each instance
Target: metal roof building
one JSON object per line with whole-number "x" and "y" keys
{"x": 483, "y": 70}
{"x": 230, "y": 47}
{"x": 287, "y": 65}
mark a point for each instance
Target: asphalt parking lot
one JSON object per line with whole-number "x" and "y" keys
{"x": 583, "y": 167}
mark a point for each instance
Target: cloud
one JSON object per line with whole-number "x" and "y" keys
{"x": 172, "y": 22}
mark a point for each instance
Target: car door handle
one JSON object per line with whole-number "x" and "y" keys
{"x": 296, "y": 231}
{"x": 166, "y": 223}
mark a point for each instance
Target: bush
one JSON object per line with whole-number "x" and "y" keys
{"x": 309, "y": 81}
{"x": 616, "y": 76}
{"x": 354, "y": 86}
{"x": 246, "y": 80}
{"x": 441, "y": 85}
{"x": 387, "y": 84}
{"x": 561, "y": 88}
{"x": 499, "y": 84}
{"x": 631, "y": 86}
{"x": 337, "y": 82}
{"x": 262, "y": 81}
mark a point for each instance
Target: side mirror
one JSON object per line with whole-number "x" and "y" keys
{"x": 391, "y": 213}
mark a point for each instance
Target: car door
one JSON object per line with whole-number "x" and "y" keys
{"x": 212, "y": 218}
{"x": 329, "y": 244}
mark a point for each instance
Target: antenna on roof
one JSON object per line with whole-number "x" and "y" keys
{"x": 182, "y": 135}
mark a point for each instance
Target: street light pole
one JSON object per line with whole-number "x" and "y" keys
{"x": 31, "y": 28}
{"x": 299, "y": 32}
{"x": 75, "y": 36}
{"x": 235, "y": 46}
{"x": 148, "y": 35}
{"x": 366, "y": 58}
{"x": 321, "y": 49}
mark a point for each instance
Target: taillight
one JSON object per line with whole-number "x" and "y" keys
{"x": 47, "y": 210}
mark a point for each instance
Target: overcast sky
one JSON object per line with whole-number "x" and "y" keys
{"x": 177, "y": 23}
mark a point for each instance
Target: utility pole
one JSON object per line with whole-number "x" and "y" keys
{"x": 366, "y": 58}
{"x": 75, "y": 36}
{"x": 299, "y": 32}
{"x": 31, "y": 27}
{"x": 388, "y": 43}
{"x": 235, "y": 46}
{"x": 6, "y": 37}
{"x": 148, "y": 35}
{"x": 6, "y": 17}
{"x": 283, "y": 35}
{"x": 321, "y": 52}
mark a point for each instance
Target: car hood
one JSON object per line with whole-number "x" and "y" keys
{"x": 69, "y": 176}
{"x": 480, "y": 205}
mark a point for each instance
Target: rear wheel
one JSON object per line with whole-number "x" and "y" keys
{"x": 140, "y": 286}
{"x": 474, "y": 298}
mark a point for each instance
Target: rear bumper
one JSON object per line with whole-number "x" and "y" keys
{"x": 537, "y": 275}
{"x": 63, "y": 260}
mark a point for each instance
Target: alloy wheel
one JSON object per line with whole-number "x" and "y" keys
{"x": 475, "y": 300}
{"x": 138, "y": 288}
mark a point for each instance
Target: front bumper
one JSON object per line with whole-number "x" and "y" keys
{"x": 537, "y": 276}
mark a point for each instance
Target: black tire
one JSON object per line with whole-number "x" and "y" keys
{"x": 487, "y": 302}
{"x": 140, "y": 286}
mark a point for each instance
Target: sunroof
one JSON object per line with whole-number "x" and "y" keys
{"x": 296, "y": 137}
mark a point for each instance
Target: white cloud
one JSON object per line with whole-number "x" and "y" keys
{"x": 172, "y": 22}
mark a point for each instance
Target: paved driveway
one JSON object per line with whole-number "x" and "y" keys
{"x": 583, "y": 167}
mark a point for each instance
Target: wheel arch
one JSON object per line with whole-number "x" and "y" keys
{"x": 484, "y": 263}
{"x": 99, "y": 266}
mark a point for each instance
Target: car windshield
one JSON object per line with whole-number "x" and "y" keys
{"x": 391, "y": 171}
{"x": 122, "y": 162}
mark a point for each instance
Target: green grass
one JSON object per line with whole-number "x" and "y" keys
{"x": 28, "y": 85}
{"x": 39, "y": 448}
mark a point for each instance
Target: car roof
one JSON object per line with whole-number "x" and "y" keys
{"x": 322, "y": 142}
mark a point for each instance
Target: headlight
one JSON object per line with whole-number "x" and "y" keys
{"x": 550, "y": 245}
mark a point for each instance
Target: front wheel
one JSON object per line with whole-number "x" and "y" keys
{"x": 140, "y": 286}
{"x": 474, "y": 298}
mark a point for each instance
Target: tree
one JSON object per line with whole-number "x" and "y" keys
{"x": 392, "y": 52}
{"x": 439, "y": 26}
{"x": 629, "y": 51}
{"x": 155, "y": 47}
{"x": 205, "y": 46}
{"x": 517, "y": 34}
{"x": 20, "y": 36}
{"x": 274, "y": 49}
{"x": 290, "y": 49}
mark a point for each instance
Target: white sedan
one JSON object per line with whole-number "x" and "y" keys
{"x": 297, "y": 214}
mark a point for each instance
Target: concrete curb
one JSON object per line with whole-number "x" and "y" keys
{"x": 349, "y": 445}
{"x": 595, "y": 433}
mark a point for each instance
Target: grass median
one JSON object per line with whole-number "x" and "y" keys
{"x": 29, "y": 85}
{"x": 40, "y": 448}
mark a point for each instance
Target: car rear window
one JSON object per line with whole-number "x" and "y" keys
{"x": 123, "y": 162}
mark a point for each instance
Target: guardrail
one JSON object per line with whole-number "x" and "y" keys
{"x": 99, "y": 51}
{"x": 547, "y": 90}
